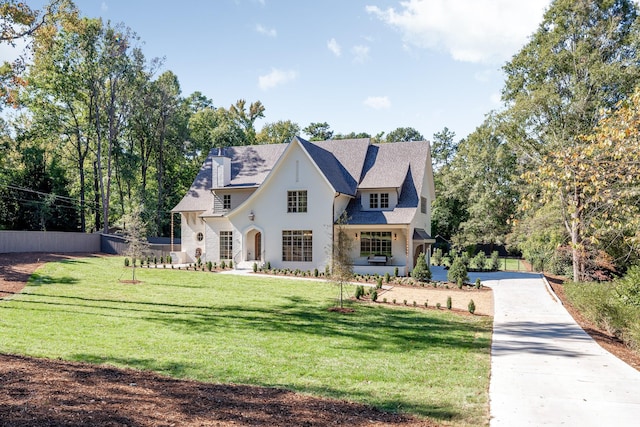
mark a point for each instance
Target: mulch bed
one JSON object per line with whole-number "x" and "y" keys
{"x": 42, "y": 392}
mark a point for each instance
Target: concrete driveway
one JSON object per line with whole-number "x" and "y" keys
{"x": 545, "y": 370}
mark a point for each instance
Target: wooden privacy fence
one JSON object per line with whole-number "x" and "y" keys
{"x": 69, "y": 242}
{"x": 48, "y": 241}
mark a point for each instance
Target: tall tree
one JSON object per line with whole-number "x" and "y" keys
{"x": 404, "y": 134}
{"x": 246, "y": 118}
{"x": 483, "y": 172}
{"x": 443, "y": 148}
{"x": 278, "y": 132}
{"x": 582, "y": 59}
{"x": 318, "y": 131}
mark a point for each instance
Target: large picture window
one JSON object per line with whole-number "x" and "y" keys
{"x": 375, "y": 243}
{"x": 297, "y": 245}
{"x": 226, "y": 244}
{"x": 297, "y": 201}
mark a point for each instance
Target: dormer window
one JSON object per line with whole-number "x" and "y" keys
{"x": 373, "y": 201}
{"x": 379, "y": 201}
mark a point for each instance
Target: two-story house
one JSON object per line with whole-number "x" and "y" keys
{"x": 280, "y": 203}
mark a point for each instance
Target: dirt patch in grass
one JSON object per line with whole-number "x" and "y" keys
{"x": 482, "y": 298}
{"x": 607, "y": 341}
{"x": 36, "y": 392}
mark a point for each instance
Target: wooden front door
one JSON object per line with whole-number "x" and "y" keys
{"x": 258, "y": 246}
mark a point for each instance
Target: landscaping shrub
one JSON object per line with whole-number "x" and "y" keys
{"x": 421, "y": 271}
{"x": 602, "y": 304}
{"x": 359, "y": 291}
{"x": 384, "y": 300}
{"x": 223, "y": 265}
{"x": 480, "y": 260}
{"x": 405, "y": 302}
{"x": 460, "y": 283}
{"x": 230, "y": 264}
{"x": 396, "y": 272}
{"x": 426, "y": 304}
{"x": 379, "y": 283}
{"x": 449, "y": 303}
{"x": 458, "y": 270}
{"x": 415, "y": 304}
{"x": 472, "y": 307}
{"x": 438, "y": 305}
{"x": 255, "y": 267}
{"x": 387, "y": 277}
{"x": 436, "y": 258}
{"x": 495, "y": 261}
{"x": 478, "y": 283}
{"x": 628, "y": 287}
{"x": 268, "y": 265}
{"x": 126, "y": 262}
{"x": 374, "y": 296}
{"x": 316, "y": 273}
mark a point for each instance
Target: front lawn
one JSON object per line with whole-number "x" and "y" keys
{"x": 254, "y": 330}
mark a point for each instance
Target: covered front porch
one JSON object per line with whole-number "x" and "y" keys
{"x": 385, "y": 248}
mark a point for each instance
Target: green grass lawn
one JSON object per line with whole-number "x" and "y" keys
{"x": 254, "y": 330}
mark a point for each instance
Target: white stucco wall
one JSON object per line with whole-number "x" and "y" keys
{"x": 190, "y": 226}
{"x": 295, "y": 171}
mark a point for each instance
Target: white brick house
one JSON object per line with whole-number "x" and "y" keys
{"x": 279, "y": 203}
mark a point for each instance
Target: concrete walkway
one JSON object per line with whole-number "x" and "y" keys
{"x": 545, "y": 370}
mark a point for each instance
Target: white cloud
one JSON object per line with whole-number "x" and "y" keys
{"x": 104, "y": 7}
{"x": 334, "y": 47}
{"x": 377, "y": 102}
{"x": 360, "y": 53}
{"x": 486, "y": 31}
{"x": 271, "y": 32}
{"x": 275, "y": 78}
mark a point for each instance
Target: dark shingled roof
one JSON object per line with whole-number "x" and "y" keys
{"x": 348, "y": 165}
{"x": 250, "y": 165}
{"x": 392, "y": 165}
{"x": 340, "y": 161}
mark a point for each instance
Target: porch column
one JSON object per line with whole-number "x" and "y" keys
{"x": 171, "y": 232}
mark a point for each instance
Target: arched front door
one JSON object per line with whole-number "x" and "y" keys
{"x": 258, "y": 246}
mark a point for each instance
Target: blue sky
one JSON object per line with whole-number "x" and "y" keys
{"x": 359, "y": 65}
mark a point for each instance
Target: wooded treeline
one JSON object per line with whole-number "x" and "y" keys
{"x": 554, "y": 174}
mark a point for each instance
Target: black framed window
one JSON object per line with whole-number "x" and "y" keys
{"x": 375, "y": 243}
{"x": 297, "y": 245}
{"x": 226, "y": 201}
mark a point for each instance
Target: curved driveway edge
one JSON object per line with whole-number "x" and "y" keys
{"x": 545, "y": 370}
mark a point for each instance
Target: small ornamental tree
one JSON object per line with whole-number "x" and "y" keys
{"x": 421, "y": 271}
{"x": 341, "y": 262}
{"x": 135, "y": 231}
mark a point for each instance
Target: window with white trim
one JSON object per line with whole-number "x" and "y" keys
{"x": 226, "y": 244}
{"x": 297, "y": 245}
{"x": 297, "y": 201}
{"x": 384, "y": 200}
{"x": 226, "y": 201}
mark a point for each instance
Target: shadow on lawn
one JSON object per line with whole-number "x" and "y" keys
{"x": 370, "y": 327}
